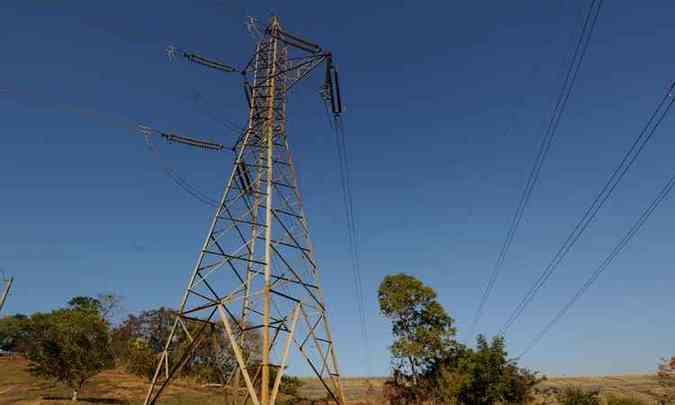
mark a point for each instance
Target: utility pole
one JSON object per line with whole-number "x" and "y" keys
{"x": 5, "y": 291}
{"x": 254, "y": 291}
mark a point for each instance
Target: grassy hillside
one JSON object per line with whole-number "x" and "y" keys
{"x": 110, "y": 387}
{"x": 117, "y": 387}
{"x": 643, "y": 387}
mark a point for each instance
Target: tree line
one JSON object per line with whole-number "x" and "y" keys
{"x": 70, "y": 345}
{"x": 429, "y": 366}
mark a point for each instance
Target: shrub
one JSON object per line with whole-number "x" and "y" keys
{"x": 577, "y": 396}
{"x": 290, "y": 385}
{"x": 69, "y": 346}
{"x": 140, "y": 359}
{"x": 614, "y": 400}
{"x": 13, "y": 333}
{"x": 139, "y": 341}
{"x": 489, "y": 377}
{"x": 666, "y": 376}
{"x": 430, "y": 366}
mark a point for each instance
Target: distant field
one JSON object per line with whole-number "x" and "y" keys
{"x": 117, "y": 387}
{"x": 644, "y": 387}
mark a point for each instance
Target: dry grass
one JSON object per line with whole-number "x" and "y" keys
{"x": 109, "y": 387}
{"x": 641, "y": 387}
{"x": 117, "y": 387}
{"x": 358, "y": 391}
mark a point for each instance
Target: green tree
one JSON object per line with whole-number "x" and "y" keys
{"x": 84, "y": 303}
{"x": 488, "y": 376}
{"x": 13, "y": 333}
{"x": 69, "y": 346}
{"x": 431, "y": 367}
{"x": 139, "y": 341}
{"x": 105, "y": 304}
{"x": 423, "y": 331}
{"x": 140, "y": 359}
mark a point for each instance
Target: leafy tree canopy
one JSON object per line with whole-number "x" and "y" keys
{"x": 489, "y": 377}
{"x": 423, "y": 331}
{"x": 105, "y": 304}
{"x": 68, "y": 345}
{"x": 13, "y": 333}
{"x": 430, "y": 366}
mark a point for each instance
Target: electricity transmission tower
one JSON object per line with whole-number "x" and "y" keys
{"x": 7, "y": 284}
{"x": 255, "y": 284}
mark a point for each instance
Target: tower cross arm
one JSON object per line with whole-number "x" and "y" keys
{"x": 204, "y": 61}
{"x": 295, "y": 41}
{"x": 185, "y": 140}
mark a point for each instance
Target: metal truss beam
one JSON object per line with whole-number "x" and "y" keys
{"x": 256, "y": 268}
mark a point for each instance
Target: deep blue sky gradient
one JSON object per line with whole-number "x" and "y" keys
{"x": 445, "y": 103}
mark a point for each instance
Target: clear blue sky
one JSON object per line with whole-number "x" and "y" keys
{"x": 431, "y": 92}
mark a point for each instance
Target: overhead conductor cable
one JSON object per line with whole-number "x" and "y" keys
{"x": 556, "y": 114}
{"x": 615, "y": 178}
{"x": 620, "y": 246}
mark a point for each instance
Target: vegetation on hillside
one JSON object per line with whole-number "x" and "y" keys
{"x": 666, "y": 374}
{"x": 577, "y": 396}
{"x": 431, "y": 367}
{"x": 616, "y": 400}
{"x": 69, "y": 345}
{"x": 73, "y": 344}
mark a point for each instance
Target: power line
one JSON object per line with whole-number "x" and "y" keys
{"x": 354, "y": 236}
{"x": 544, "y": 147}
{"x": 125, "y": 123}
{"x": 352, "y": 226}
{"x": 198, "y": 102}
{"x": 617, "y": 175}
{"x": 180, "y": 181}
{"x": 620, "y": 246}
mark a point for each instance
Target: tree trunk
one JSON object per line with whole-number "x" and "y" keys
{"x": 75, "y": 394}
{"x": 413, "y": 370}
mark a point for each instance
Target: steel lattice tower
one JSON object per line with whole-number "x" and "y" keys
{"x": 4, "y": 293}
{"x": 256, "y": 276}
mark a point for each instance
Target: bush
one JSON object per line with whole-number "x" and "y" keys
{"x": 290, "y": 385}
{"x": 13, "y": 333}
{"x": 69, "y": 346}
{"x": 430, "y": 366}
{"x": 140, "y": 359}
{"x": 614, "y": 400}
{"x": 490, "y": 377}
{"x": 666, "y": 376}
{"x": 577, "y": 396}
{"x": 139, "y": 341}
